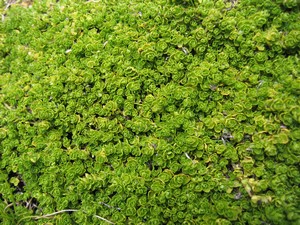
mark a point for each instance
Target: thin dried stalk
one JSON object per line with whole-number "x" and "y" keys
{"x": 62, "y": 211}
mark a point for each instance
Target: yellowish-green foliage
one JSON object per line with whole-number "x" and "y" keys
{"x": 150, "y": 112}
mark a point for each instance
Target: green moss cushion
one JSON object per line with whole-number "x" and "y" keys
{"x": 150, "y": 112}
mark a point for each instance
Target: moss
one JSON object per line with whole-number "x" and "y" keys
{"x": 149, "y": 112}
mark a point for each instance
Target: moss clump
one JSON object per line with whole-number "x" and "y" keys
{"x": 150, "y": 112}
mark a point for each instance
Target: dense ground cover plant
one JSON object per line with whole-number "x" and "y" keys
{"x": 150, "y": 112}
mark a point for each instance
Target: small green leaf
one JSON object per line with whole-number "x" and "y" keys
{"x": 15, "y": 181}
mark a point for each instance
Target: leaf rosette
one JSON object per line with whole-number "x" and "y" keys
{"x": 179, "y": 180}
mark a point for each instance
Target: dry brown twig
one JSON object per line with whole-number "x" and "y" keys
{"x": 59, "y": 212}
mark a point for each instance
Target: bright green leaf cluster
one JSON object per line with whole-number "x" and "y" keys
{"x": 150, "y": 112}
